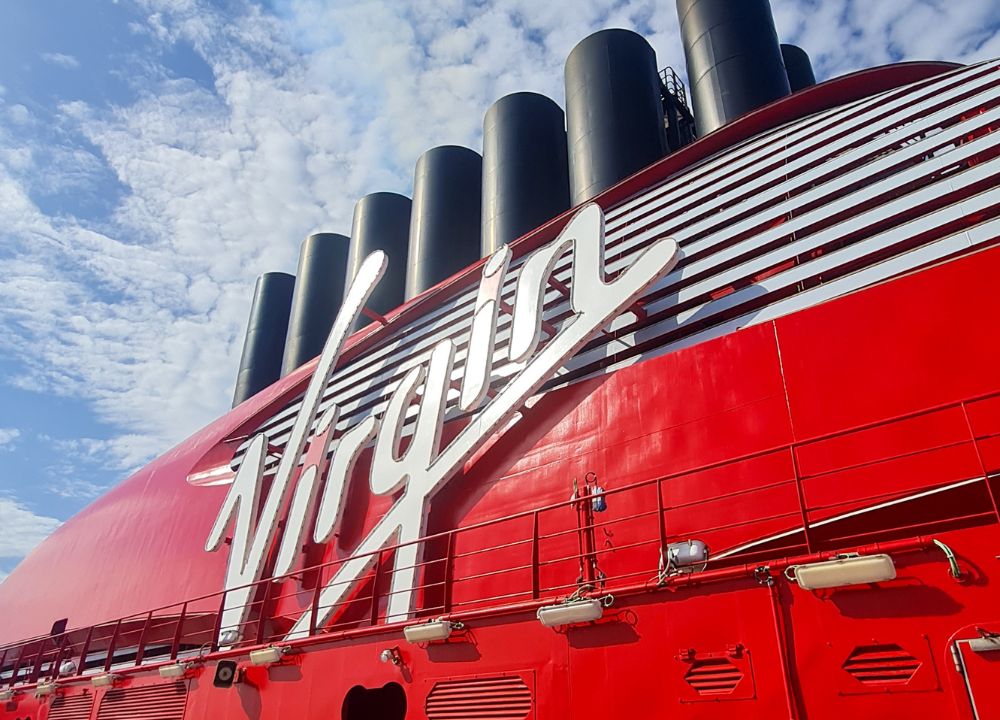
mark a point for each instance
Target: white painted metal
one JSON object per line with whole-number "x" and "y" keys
{"x": 824, "y": 166}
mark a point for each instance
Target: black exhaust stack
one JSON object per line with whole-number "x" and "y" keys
{"x": 319, "y": 291}
{"x": 525, "y": 170}
{"x": 734, "y": 63}
{"x": 260, "y": 364}
{"x": 797, "y": 67}
{"x": 614, "y": 113}
{"x": 381, "y": 222}
{"x": 446, "y": 216}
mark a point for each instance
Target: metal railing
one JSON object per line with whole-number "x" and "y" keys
{"x": 548, "y": 553}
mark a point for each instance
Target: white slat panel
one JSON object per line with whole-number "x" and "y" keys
{"x": 825, "y": 166}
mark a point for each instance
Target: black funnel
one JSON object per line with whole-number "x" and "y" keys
{"x": 525, "y": 170}
{"x": 734, "y": 64}
{"x": 260, "y": 365}
{"x": 614, "y": 114}
{"x": 444, "y": 224}
{"x": 797, "y": 67}
{"x": 319, "y": 290}
{"x": 381, "y": 222}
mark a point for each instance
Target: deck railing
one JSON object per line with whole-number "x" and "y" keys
{"x": 572, "y": 548}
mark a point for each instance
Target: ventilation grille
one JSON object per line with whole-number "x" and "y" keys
{"x": 77, "y": 707}
{"x": 494, "y": 698}
{"x": 153, "y": 702}
{"x": 715, "y": 676}
{"x": 881, "y": 665}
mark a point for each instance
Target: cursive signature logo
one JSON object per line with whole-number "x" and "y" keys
{"x": 417, "y": 472}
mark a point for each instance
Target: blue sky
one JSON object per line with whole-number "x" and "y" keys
{"x": 157, "y": 155}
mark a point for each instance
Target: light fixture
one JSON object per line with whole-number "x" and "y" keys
{"x": 104, "y": 679}
{"x": 685, "y": 556}
{"x": 391, "y": 655}
{"x": 227, "y": 672}
{"x": 989, "y": 643}
{"x": 67, "y": 668}
{"x": 841, "y": 571}
{"x": 6, "y": 695}
{"x": 44, "y": 688}
{"x": 175, "y": 670}
{"x": 267, "y": 656}
{"x": 428, "y": 631}
{"x": 576, "y": 611}
{"x": 229, "y": 637}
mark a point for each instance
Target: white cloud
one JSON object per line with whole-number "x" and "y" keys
{"x": 142, "y": 313}
{"x": 21, "y": 529}
{"x": 19, "y": 114}
{"x": 61, "y": 60}
{"x": 8, "y": 438}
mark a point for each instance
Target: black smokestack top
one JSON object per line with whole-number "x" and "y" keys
{"x": 733, "y": 61}
{"x": 319, "y": 291}
{"x": 614, "y": 113}
{"x": 525, "y": 167}
{"x": 444, "y": 224}
{"x": 797, "y": 67}
{"x": 381, "y": 222}
{"x": 265, "y": 339}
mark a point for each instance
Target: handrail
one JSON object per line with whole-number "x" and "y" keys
{"x": 165, "y": 625}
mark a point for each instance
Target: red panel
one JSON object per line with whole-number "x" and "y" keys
{"x": 611, "y": 679}
{"x": 838, "y": 492}
{"x": 907, "y": 436}
{"x": 902, "y": 346}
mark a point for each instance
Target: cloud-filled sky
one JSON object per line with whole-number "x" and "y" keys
{"x": 157, "y": 155}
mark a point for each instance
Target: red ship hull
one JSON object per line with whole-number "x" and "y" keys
{"x": 869, "y": 423}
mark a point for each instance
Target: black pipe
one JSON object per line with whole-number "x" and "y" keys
{"x": 798, "y": 67}
{"x": 614, "y": 114}
{"x": 319, "y": 291}
{"x": 525, "y": 168}
{"x": 381, "y": 222}
{"x": 446, "y": 216}
{"x": 260, "y": 364}
{"x": 734, "y": 63}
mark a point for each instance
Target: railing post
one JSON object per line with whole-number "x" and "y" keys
{"x": 57, "y": 661}
{"x": 979, "y": 458}
{"x": 218, "y": 623}
{"x": 3, "y": 659}
{"x": 36, "y": 671}
{"x": 111, "y": 646}
{"x": 17, "y": 665}
{"x": 85, "y": 649}
{"x": 314, "y": 611}
{"x": 802, "y": 498}
{"x": 661, "y": 521}
{"x": 261, "y": 614}
{"x": 378, "y": 567}
{"x": 448, "y": 562}
{"x": 535, "y": 568}
{"x": 588, "y": 547}
{"x": 141, "y": 648}
{"x": 175, "y": 646}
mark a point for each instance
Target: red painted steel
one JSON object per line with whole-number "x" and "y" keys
{"x": 797, "y": 647}
{"x": 870, "y": 423}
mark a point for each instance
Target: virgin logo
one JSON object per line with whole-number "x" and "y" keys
{"x": 315, "y": 494}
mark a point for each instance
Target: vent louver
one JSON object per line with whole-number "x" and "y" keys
{"x": 714, "y": 676}
{"x": 164, "y": 701}
{"x": 77, "y": 707}
{"x": 886, "y": 664}
{"x": 492, "y": 698}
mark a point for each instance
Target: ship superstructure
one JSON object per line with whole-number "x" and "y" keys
{"x": 719, "y": 439}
